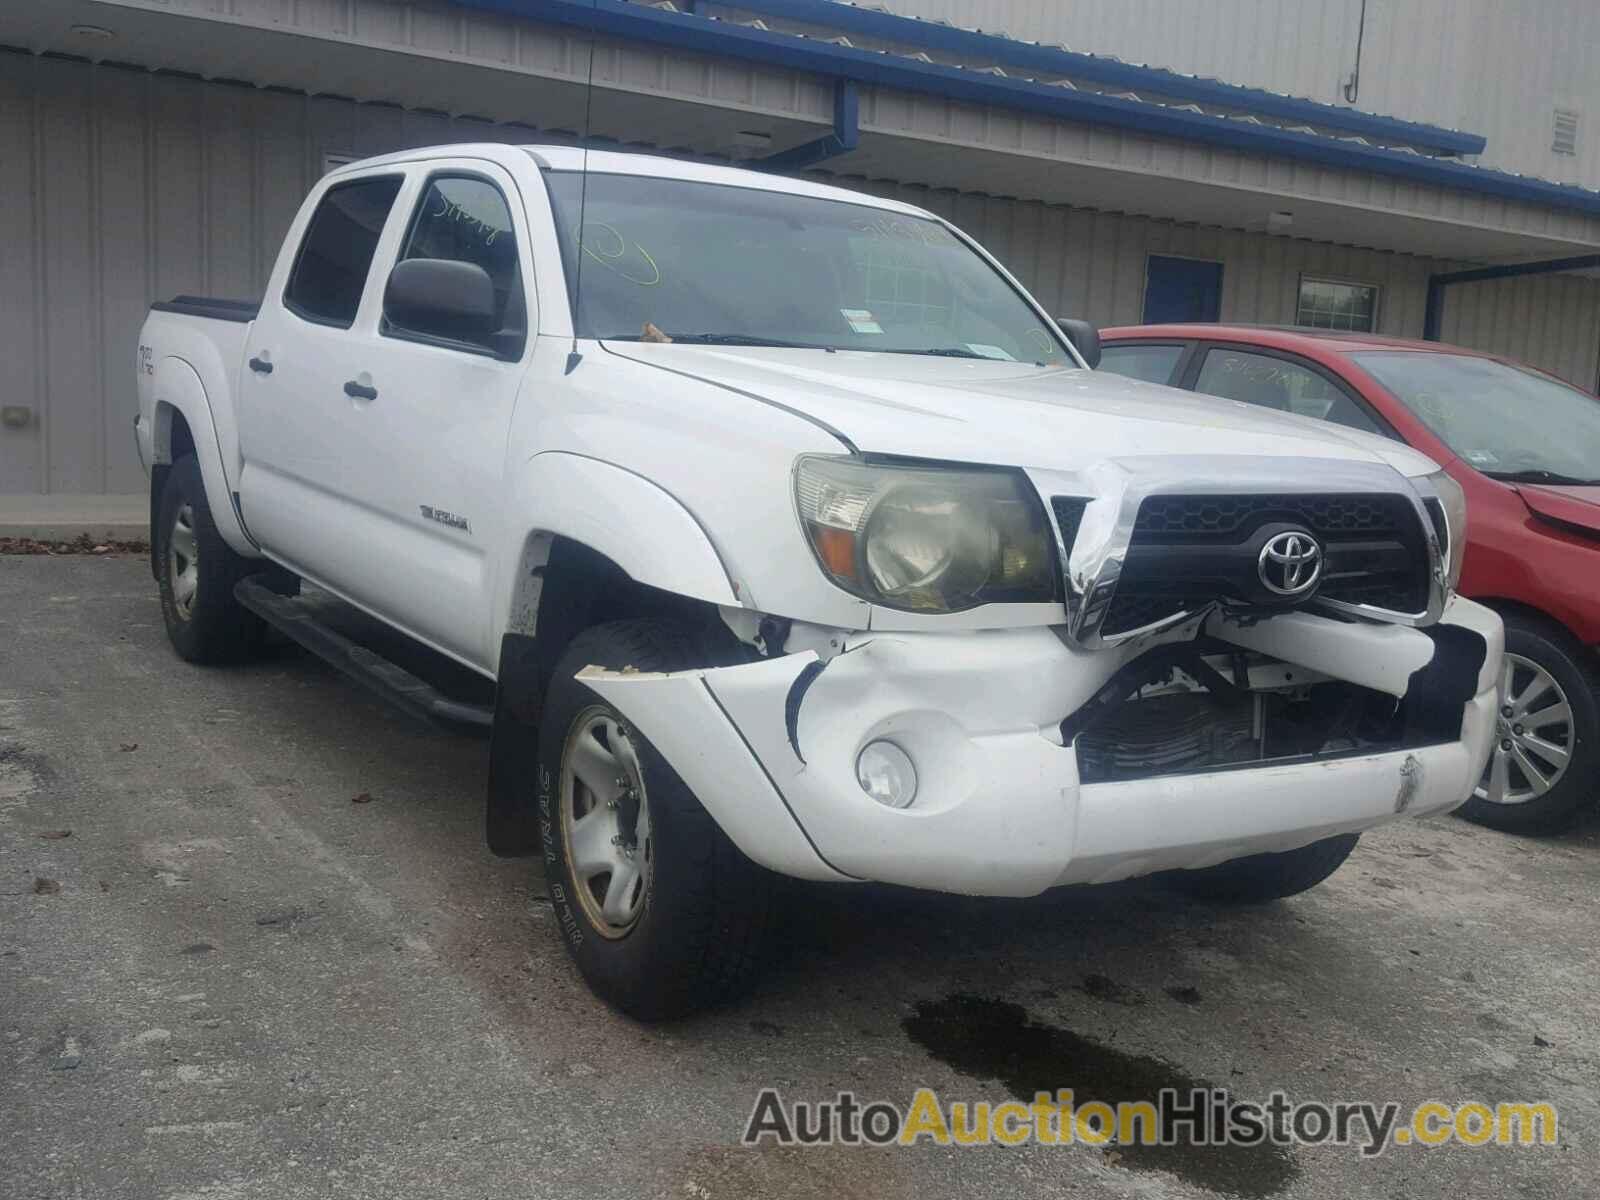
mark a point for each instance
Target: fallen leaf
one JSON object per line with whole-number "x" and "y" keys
{"x": 45, "y": 887}
{"x": 363, "y": 798}
{"x": 55, "y": 835}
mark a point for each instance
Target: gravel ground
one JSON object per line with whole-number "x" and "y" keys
{"x": 271, "y": 958}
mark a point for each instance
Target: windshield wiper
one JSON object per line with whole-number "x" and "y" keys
{"x": 940, "y": 352}
{"x": 726, "y": 339}
{"x": 1541, "y": 476}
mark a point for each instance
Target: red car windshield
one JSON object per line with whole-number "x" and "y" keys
{"x": 1509, "y": 423}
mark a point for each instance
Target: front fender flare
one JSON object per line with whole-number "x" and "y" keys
{"x": 638, "y": 525}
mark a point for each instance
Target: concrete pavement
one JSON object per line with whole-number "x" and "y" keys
{"x": 232, "y": 979}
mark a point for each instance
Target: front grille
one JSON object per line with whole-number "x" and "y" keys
{"x": 1223, "y": 516}
{"x": 1191, "y": 550}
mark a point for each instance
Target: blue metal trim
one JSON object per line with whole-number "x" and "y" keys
{"x": 846, "y": 135}
{"x": 1433, "y": 315}
{"x": 701, "y": 35}
{"x": 997, "y": 48}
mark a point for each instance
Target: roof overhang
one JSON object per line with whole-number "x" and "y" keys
{"x": 682, "y": 83}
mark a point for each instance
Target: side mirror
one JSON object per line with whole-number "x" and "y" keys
{"x": 1084, "y": 336}
{"x": 441, "y": 298}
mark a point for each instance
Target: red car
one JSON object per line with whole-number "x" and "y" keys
{"x": 1525, "y": 448}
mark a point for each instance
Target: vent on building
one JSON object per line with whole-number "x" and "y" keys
{"x": 1565, "y": 138}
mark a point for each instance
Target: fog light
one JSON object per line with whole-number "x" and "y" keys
{"x": 886, "y": 774}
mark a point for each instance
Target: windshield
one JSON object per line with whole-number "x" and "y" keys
{"x": 668, "y": 259}
{"x": 1508, "y": 422}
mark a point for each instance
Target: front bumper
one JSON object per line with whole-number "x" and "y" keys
{"x": 770, "y": 750}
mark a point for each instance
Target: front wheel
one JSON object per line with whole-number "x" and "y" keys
{"x": 1545, "y": 766}
{"x": 1263, "y": 877}
{"x": 661, "y": 912}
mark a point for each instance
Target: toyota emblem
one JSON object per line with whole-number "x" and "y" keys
{"x": 1290, "y": 563}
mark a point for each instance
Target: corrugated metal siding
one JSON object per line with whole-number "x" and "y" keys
{"x": 1494, "y": 68}
{"x": 1090, "y": 264}
{"x": 1168, "y": 163}
{"x": 124, "y": 187}
{"x": 1551, "y": 322}
{"x": 129, "y": 187}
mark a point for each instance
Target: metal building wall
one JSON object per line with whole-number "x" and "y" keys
{"x": 1092, "y": 264}
{"x": 1495, "y": 67}
{"x": 128, "y": 187}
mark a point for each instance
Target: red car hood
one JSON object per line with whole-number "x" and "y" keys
{"x": 1571, "y": 505}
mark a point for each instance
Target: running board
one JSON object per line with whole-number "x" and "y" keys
{"x": 395, "y": 684}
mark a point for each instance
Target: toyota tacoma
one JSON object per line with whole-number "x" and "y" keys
{"x": 796, "y": 539}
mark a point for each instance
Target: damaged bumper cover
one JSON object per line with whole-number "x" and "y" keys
{"x": 770, "y": 748}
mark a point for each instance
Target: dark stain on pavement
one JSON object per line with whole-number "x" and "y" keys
{"x": 995, "y": 1039}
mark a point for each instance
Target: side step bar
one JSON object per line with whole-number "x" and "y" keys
{"x": 395, "y": 684}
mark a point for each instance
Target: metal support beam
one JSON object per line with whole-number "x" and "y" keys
{"x": 846, "y": 135}
{"x": 1433, "y": 316}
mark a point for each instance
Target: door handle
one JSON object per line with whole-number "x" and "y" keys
{"x": 360, "y": 391}
{"x": 261, "y": 366}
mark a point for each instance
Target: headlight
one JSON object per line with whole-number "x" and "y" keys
{"x": 1448, "y": 505}
{"x": 926, "y": 539}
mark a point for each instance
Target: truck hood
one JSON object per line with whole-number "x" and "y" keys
{"x": 1578, "y": 506}
{"x": 1008, "y": 413}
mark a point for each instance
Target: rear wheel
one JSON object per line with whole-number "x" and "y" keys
{"x": 197, "y": 571}
{"x": 1545, "y": 767}
{"x": 661, "y": 912}
{"x": 1263, "y": 877}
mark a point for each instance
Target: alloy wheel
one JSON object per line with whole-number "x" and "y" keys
{"x": 1533, "y": 735}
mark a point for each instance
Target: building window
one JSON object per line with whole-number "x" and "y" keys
{"x": 1332, "y": 304}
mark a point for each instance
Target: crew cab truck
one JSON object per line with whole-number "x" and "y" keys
{"x": 799, "y": 540}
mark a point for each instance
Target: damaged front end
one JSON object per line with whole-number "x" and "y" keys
{"x": 1038, "y": 762}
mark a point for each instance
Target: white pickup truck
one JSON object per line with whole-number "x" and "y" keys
{"x": 799, "y": 540}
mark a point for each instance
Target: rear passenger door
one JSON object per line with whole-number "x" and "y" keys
{"x": 303, "y": 446}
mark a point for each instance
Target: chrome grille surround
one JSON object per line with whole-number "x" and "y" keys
{"x": 1115, "y": 489}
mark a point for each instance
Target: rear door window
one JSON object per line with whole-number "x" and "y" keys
{"x": 1153, "y": 364}
{"x": 1268, "y": 381}
{"x": 330, "y": 272}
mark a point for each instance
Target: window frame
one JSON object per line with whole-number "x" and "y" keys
{"x": 1196, "y": 363}
{"x": 1186, "y": 350}
{"x": 1339, "y": 281}
{"x": 305, "y": 237}
{"x": 397, "y": 333}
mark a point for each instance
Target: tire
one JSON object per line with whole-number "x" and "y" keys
{"x": 1536, "y": 648}
{"x": 1263, "y": 877}
{"x": 196, "y": 574}
{"x": 689, "y": 933}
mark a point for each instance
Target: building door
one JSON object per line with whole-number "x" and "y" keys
{"x": 1180, "y": 290}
